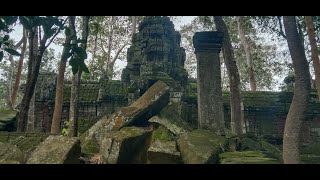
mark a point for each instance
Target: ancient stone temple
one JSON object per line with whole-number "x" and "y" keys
{"x": 155, "y": 54}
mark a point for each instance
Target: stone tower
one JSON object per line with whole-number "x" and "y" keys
{"x": 155, "y": 54}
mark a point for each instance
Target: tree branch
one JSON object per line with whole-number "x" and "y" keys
{"x": 54, "y": 36}
{"x": 281, "y": 32}
{"x": 118, "y": 52}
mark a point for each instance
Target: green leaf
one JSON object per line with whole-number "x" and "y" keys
{"x": 12, "y": 52}
{"x": 1, "y": 56}
{"x": 67, "y": 31}
{"x": 84, "y": 67}
{"x": 6, "y": 38}
{"x": 80, "y": 52}
{"x": 75, "y": 69}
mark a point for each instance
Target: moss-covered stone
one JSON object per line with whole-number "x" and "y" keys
{"x": 246, "y": 157}
{"x": 123, "y": 147}
{"x": 10, "y": 162}
{"x": 272, "y": 150}
{"x": 10, "y": 153}
{"x": 310, "y": 149}
{"x": 57, "y": 150}
{"x": 249, "y": 144}
{"x": 310, "y": 158}
{"x": 7, "y": 120}
{"x": 148, "y": 105}
{"x": 169, "y": 118}
{"x": 164, "y": 152}
{"x": 200, "y": 147}
{"x": 90, "y": 148}
{"x": 162, "y": 134}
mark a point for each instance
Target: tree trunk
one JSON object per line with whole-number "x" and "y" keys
{"x": 74, "y": 100}
{"x": 314, "y": 51}
{"x": 246, "y": 46}
{"x": 134, "y": 24}
{"x": 298, "y": 107}
{"x": 33, "y": 72}
{"x": 9, "y": 81}
{"x": 31, "y": 116}
{"x": 19, "y": 72}
{"x": 56, "y": 119}
{"x": 231, "y": 64}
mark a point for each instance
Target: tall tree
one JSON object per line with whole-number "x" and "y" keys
{"x": 298, "y": 107}
{"x": 9, "y": 82}
{"x": 108, "y": 38}
{"x": 51, "y": 27}
{"x": 19, "y": 71}
{"x": 314, "y": 51}
{"x": 134, "y": 24}
{"x": 75, "y": 87}
{"x": 246, "y": 47}
{"x": 56, "y": 118}
{"x": 31, "y": 117}
{"x": 231, "y": 64}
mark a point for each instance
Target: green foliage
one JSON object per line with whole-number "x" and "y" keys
{"x": 65, "y": 131}
{"x": 6, "y": 45}
{"x": 77, "y": 57}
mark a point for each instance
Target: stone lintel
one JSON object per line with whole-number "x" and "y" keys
{"x": 208, "y": 41}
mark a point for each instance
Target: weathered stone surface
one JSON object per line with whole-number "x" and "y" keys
{"x": 163, "y": 134}
{"x": 10, "y": 154}
{"x": 210, "y": 102}
{"x": 246, "y": 157}
{"x": 250, "y": 144}
{"x": 272, "y": 150}
{"x": 233, "y": 141}
{"x": 155, "y": 52}
{"x": 148, "y": 105}
{"x": 140, "y": 111}
{"x": 169, "y": 118}
{"x": 7, "y": 120}
{"x": 200, "y": 147}
{"x": 164, "y": 152}
{"x": 89, "y": 144}
{"x": 129, "y": 145}
{"x": 57, "y": 150}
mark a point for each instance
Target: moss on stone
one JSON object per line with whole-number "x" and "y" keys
{"x": 310, "y": 149}
{"x": 162, "y": 133}
{"x": 310, "y": 158}
{"x": 90, "y": 148}
{"x": 57, "y": 150}
{"x": 249, "y": 144}
{"x": 272, "y": 150}
{"x": 246, "y": 157}
{"x": 10, "y": 162}
{"x": 200, "y": 147}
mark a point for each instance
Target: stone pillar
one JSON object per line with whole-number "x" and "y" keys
{"x": 210, "y": 103}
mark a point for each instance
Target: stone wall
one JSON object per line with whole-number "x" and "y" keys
{"x": 264, "y": 112}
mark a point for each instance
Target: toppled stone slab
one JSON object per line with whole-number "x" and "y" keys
{"x": 201, "y": 147}
{"x": 164, "y": 152}
{"x": 57, "y": 150}
{"x": 10, "y": 154}
{"x": 7, "y": 120}
{"x": 129, "y": 145}
{"x": 148, "y": 105}
{"x": 246, "y": 157}
{"x": 169, "y": 118}
{"x": 249, "y": 144}
{"x": 272, "y": 150}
